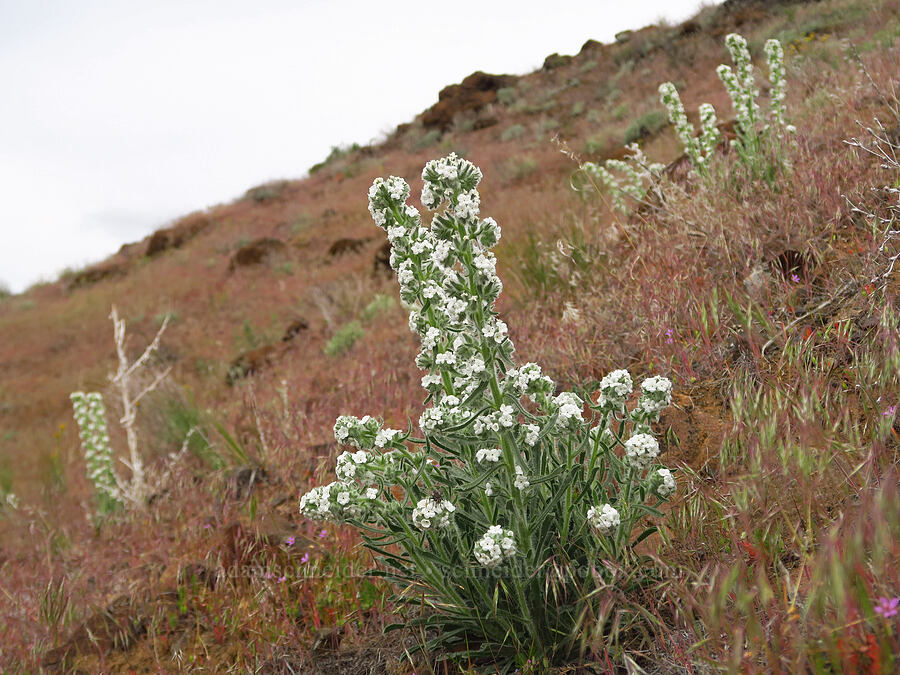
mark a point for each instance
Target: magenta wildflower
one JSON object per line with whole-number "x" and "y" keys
{"x": 323, "y": 534}
{"x": 887, "y": 607}
{"x": 290, "y": 541}
{"x": 890, "y": 412}
{"x": 795, "y": 278}
{"x": 669, "y": 333}
{"x": 305, "y": 558}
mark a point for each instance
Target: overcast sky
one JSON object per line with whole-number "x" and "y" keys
{"x": 118, "y": 116}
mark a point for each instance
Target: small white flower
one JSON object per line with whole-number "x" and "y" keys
{"x": 495, "y": 545}
{"x": 521, "y": 482}
{"x": 667, "y": 486}
{"x": 430, "y": 512}
{"x": 488, "y": 455}
{"x": 371, "y": 493}
{"x": 604, "y": 519}
{"x": 532, "y": 431}
{"x": 641, "y": 450}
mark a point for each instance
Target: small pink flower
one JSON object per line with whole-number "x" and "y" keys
{"x": 887, "y": 607}
{"x": 890, "y": 412}
{"x": 290, "y": 541}
{"x": 281, "y": 579}
{"x": 305, "y": 558}
{"x": 323, "y": 534}
{"x": 795, "y": 278}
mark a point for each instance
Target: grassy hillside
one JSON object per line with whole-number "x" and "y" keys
{"x": 772, "y": 308}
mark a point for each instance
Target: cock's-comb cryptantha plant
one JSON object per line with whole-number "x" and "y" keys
{"x": 507, "y": 513}
{"x": 90, "y": 414}
{"x": 625, "y": 178}
{"x": 740, "y": 83}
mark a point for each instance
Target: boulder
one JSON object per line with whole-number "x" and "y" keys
{"x": 258, "y": 252}
{"x": 473, "y": 93}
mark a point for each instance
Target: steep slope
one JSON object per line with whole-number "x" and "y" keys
{"x": 256, "y": 289}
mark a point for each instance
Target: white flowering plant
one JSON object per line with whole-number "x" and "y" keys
{"x": 90, "y": 414}
{"x": 506, "y": 515}
{"x": 625, "y": 179}
{"x": 753, "y": 131}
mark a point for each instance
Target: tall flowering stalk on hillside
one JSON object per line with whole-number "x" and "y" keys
{"x": 629, "y": 178}
{"x": 684, "y": 130}
{"x": 90, "y": 414}
{"x": 750, "y": 128}
{"x": 754, "y": 133}
{"x": 510, "y": 510}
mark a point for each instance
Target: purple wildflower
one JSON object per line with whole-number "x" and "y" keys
{"x": 795, "y": 278}
{"x": 887, "y": 607}
{"x": 305, "y": 558}
{"x": 323, "y": 534}
{"x": 290, "y": 541}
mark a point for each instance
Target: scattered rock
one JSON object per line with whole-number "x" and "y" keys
{"x": 346, "y": 245}
{"x": 555, "y": 61}
{"x": 97, "y": 273}
{"x": 267, "y": 191}
{"x": 294, "y": 328}
{"x": 382, "y": 262}
{"x": 241, "y": 481}
{"x": 328, "y": 639}
{"x": 591, "y": 46}
{"x": 250, "y": 363}
{"x": 258, "y": 252}
{"x": 689, "y": 28}
{"x": 473, "y": 93}
{"x": 178, "y": 234}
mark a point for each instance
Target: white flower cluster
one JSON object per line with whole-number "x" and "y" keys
{"x": 631, "y": 178}
{"x": 778, "y": 79}
{"x": 656, "y": 394}
{"x": 569, "y": 409}
{"x": 739, "y": 83}
{"x": 668, "y": 96}
{"x": 448, "y": 279}
{"x": 615, "y": 389}
{"x": 505, "y": 418}
{"x": 365, "y": 433}
{"x": 494, "y": 546}
{"x": 528, "y": 380}
{"x": 90, "y": 414}
{"x": 709, "y": 131}
{"x": 604, "y": 519}
{"x": 521, "y": 481}
{"x": 663, "y": 483}
{"x": 432, "y": 513}
{"x": 351, "y": 465}
{"x": 641, "y": 450}
{"x": 488, "y": 455}
{"x": 338, "y": 501}
{"x": 699, "y": 149}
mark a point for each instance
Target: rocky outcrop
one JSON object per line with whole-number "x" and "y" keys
{"x": 472, "y": 94}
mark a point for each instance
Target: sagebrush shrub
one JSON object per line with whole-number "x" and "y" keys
{"x": 508, "y": 514}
